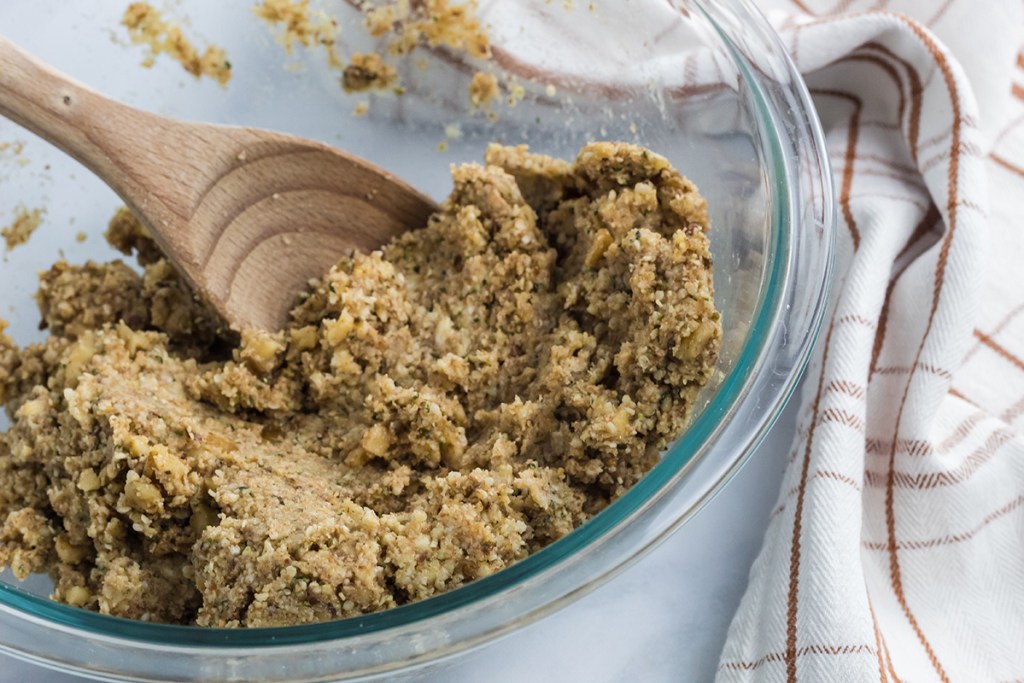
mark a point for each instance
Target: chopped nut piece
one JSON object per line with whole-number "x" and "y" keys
{"x": 261, "y": 350}
{"x": 376, "y": 440}
{"x": 77, "y": 596}
{"x": 142, "y": 495}
{"x": 69, "y": 553}
{"x": 88, "y": 481}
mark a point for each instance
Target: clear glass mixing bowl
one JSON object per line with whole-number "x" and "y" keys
{"x": 704, "y": 82}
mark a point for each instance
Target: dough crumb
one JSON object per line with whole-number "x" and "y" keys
{"x": 300, "y": 25}
{"x": 432, "y": 22}
{"x": 367, "y": 72}
{"x": 15, "y": 151}
{"x": 403, "y": 27}
{"x": 483, "y": 88}
{"x": 146, "y": 26}
{"x": 516, "y": 93}
{"x": 26, "y": 221}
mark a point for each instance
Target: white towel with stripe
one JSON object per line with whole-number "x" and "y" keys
{"x": 896, "y": 550}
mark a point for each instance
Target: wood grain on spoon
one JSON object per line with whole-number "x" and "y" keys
{"x": 248, "y": 216}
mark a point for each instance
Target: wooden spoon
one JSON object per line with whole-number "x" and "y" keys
{"x": 248, "y": 216}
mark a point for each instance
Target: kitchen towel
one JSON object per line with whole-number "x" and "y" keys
{"x": 896, "y": 549}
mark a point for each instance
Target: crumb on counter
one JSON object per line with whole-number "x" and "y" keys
{"x": 434, "y": 22}
{"x": 300, "y": 25}
{"x": 516, "y": 92}
{"x": 146, "y": 26}
{"x": 15, "y": 151}
{"x": 26, "y": 222}
{"x": 483, "y": 88}
{"x": 402, "y": 27}
{"x": 434, "y": 411}
{"x": 367, "y": 71}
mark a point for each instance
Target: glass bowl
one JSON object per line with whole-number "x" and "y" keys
{"x": 706, "y": 83}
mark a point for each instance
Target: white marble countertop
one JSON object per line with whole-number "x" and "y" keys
{"x": 663, "y": 619}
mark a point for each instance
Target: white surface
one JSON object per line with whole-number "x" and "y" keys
{"x": 663, "y": 619}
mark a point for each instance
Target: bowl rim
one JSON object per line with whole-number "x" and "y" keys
{"x": 675, "y": 465}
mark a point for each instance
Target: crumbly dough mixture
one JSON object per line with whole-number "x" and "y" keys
{"x": 25, "y": 223}
{"x": 146, "y": 26}
{"x": 435, "y": 411}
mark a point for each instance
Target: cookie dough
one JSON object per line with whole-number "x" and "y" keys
{"x": 434, "y": 411}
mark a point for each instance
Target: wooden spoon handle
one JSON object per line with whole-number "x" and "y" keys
{"x": 54, "y": 106}
{"x": 131, "y": 150}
